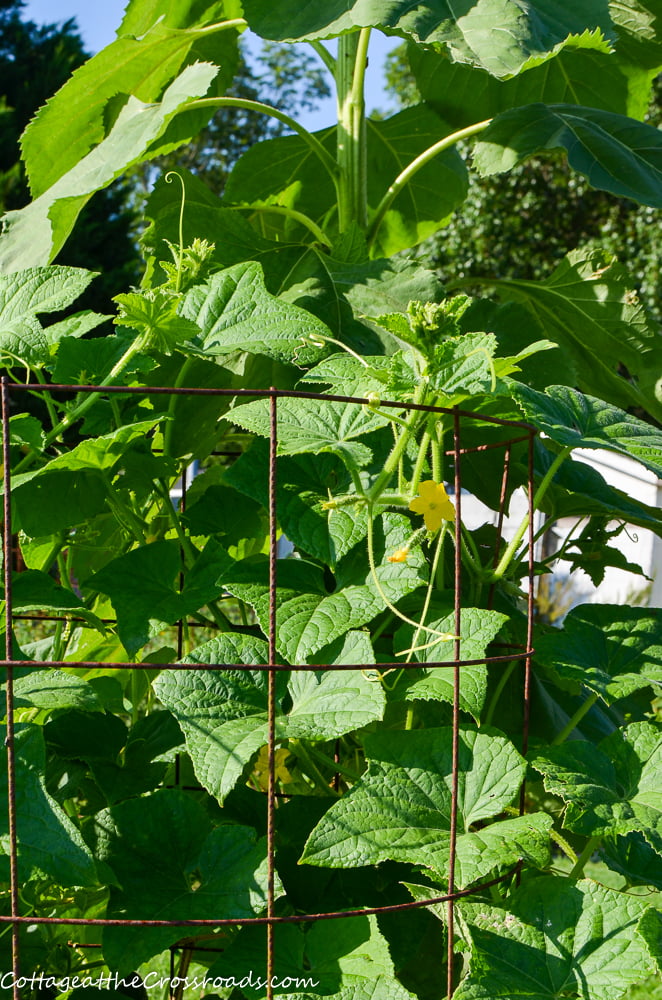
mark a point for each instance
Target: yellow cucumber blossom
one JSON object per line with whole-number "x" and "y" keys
{"x": 400, "y": 555}
{"x": 433, "y": 503}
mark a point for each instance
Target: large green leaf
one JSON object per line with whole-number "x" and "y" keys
{"x": 309, "y": 425}
{"x": 558, "y": 938}
{"x": 400, "y": 808}
{"x": 143, "y": 586}
{"x": 478, "y": 628}
{"x": 235, "y": 312}
{"x": 588, "y": 307}
{"x": 272, "y": 167}
{"x": 34, "y": 590}
{"x": 353, "y": 963}
{"x": 171, "y": 865}
{"x": 614, "y": 788}
{"x": 34, "y": 234}
{"x": 582, "y": 73}
{"x": 50, "y": 844}
{"x": 613, "y": 650}
{"x": 303, "y": 484}
{"x": 223, "y": 714}
{"x": 572, "y": 419}
{"x": 158, "y": 41}
{"x": 614, "y": 153}
{"x": 530, "y": 30}
{"x": 38, "y": 290}
{"x": 307, "y": 616}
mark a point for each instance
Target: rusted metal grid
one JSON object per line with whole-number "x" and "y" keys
{"x": 518, "y": 432}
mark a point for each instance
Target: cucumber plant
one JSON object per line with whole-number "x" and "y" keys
{"x": 141, "y": 790}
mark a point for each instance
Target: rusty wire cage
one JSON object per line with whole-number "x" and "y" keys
{"x": 508, "y": 433}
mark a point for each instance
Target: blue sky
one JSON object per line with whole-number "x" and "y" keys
{"x": 97, "y": 24}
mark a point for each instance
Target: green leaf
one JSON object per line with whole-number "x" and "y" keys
{"x": 152, "y": 52}
{"x": 588, "y": 307}
{"x": 52, "y": 689}
{"x": 143, "y": 587}
{"x": 308, "y": 425}
{"x": 400, "y": 807}
{"x": 34, "y": 234}
{"x": 34, "y": 590}
{"x": 572, "y": 419}
{"x": 307, "y": 617}
{"x": 583, "y": 73}
{"x": 613, "y": 650}
{"x": 50, "y": 845}
{"x": 304, "y": 485}
{"x": 534, "y": 31}
{"x": 557, "y": 938}
{"x": 270, "y": 168}
{"x": 154, "y": 315}
{"x": 26, "y": 294}
{"x": 235, "y": 312}
{"x": 614, "y": 153}
{"x": 610, "y": 789}
{"x": 478, "y": 628}
{"x": 171, "y": 865}
{"x": 633, "y": 857}
{"x": 353, "y": 963}
{"x": 223, "y": 714}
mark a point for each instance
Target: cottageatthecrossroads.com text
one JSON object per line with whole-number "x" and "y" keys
{"x": 151, "y": 981}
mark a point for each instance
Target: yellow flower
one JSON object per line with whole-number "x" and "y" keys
{"x": 433, "y": 503}
{"x": 400, "y": 555}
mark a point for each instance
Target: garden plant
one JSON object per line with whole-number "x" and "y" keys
{"x": 140, "y": 788}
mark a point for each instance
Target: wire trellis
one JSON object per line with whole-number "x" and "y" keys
{"x": 514, "y": 432}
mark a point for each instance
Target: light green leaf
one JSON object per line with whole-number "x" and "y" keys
{"x": 478, "y": 628}
{"x": 235, "y": 312}
{"x": 614, "y": 153}
{"x": 526, "y": 31}
{"x": 613, "y": 650}
{"x": 34, "y": 234}
{"x": 308, "y": 425}
{"x": 51, "y": 689}
{"x": 26, "y": 294}
{"x": 400, "y": 808}
{"x": 588, "y": 307}
{"x": 558, "y": 938}
{"x": 272, "y": 167}
{"x": 50, "y": 845}
{"x": 573, "y": 419}
{"x": 223, "y": 714}
{"x": 610, "y": 789}
{"x": 171, "y": 865}
{"x": 307, "y": 616}
{"x": 154, "y": 49}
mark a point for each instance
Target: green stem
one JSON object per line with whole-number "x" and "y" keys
{"x": 46, "y": 396}
{"x": 406, "y": 175}
{"x": 351, "y": 149}
{"x": 585, "y": 856}
{"x": 513, "y": 545}
{"x": 428, "y": 594}
{"x": 291, "y": 213}
{"x": 325, "y": 56}
{"x": 420, "y": 462}
{"x": 309, "y": 766}
{"x": 179, "y": 381}
{"x": 333, "y": 764}
{"x": 392, "y": 461}
{"x": 503, "y": 680}
{"x": 410, "y": 717}
{"x": 575, "y": 720}
{"x": 315, "y": 145}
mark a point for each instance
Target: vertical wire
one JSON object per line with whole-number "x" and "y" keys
{"x": 456, "y": 705}
{"x": 9, "y": 740}
{"x": 180, "y": 623}
{"x": 529, "y": 622}
{"x": 273, "y": 542}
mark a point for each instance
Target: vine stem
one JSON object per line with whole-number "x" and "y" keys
{"x": 503, "y": 680}
{"x": 351, "y": 148}
{"x": 575, "y": 719}
{"x": 585, "y": 857}
{"x": 392, "y": 461}
{"x": 513, "y": 545}
{"x": 290, "y": 213}
{"x": 412, "y": 168}
{"x": 316, "y": 146}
